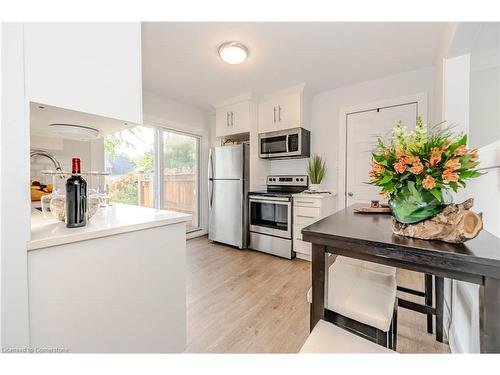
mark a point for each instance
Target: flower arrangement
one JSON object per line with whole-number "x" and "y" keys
{"x": 417, "y": 166}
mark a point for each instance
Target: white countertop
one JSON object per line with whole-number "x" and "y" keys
{"x": 115, "y": 219}
{"x": 315, "y": 195}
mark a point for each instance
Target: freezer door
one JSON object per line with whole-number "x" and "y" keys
{"x": 225, "y": 204}
{"x": 226, "y": 162}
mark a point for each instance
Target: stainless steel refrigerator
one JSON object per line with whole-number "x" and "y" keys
{"x": 228, "y": 181}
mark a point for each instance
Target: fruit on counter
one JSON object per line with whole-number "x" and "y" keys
{"x": 38, "y": 190}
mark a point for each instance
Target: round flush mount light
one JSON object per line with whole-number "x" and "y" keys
{"x": 233, "y": 52}
{"x": 78, "y": 132}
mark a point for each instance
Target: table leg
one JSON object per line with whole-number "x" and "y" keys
{"x": 319, "y": 282}
{"x": 439, "y": 285}
{"x": 489, "y": 320}
{"x": 428, "y": 300}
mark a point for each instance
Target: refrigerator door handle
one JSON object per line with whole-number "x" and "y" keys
{"x": 210, "y": 176}
{"x": 210, "y": 194}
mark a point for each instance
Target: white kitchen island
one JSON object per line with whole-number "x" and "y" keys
{"x": 116, "y": 285}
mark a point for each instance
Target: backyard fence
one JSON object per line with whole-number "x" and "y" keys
{"x": 179, "y": 193}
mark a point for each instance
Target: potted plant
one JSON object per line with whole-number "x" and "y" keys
{"x": 316, "y": 170}
{"x": 416, "y": 169}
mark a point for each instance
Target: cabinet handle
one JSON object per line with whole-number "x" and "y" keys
{"x": 227, "y": 119}
{"x": 307, "y": 217}
{"x": 307, "y": 202}
{"x": 232, "y": 118}
{"x": 279, "y": 113}
{"x": 274, "y": 114}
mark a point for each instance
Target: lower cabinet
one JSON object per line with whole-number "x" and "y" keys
{"x": 307, "y": 209}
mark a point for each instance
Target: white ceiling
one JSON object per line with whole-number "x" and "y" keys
{"x": 180, "y": 59}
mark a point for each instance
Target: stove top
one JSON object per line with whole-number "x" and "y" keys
{"x": 283, "y": 186}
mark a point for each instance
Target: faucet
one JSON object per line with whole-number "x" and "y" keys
{"x": 47, "y": 155}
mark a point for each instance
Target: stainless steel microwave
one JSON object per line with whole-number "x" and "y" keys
{"x": 285, "y": 144}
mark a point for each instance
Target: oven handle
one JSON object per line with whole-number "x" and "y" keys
{"x": 267, "y": 200}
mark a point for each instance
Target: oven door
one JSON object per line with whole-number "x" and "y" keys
{"x": 272, "y": 216}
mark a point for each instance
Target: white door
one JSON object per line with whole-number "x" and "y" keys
{"x": 362, "y": 129}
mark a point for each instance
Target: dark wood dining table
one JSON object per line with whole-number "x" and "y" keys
{"x": 369, "y": 237}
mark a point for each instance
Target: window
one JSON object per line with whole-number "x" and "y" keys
{"x": 181, "y": 175}
{"x": 129, "y": 158}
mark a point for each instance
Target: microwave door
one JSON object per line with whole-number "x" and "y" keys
{"x": 273, "y": 145}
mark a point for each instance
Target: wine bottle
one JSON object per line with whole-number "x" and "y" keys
{"x": 76, "y": 197}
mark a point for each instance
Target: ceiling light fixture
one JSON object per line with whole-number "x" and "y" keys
{"x": 77, "y": 132}
{"x": 233, "y": 52}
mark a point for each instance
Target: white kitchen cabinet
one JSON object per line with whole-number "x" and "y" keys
{"x": 307, "y": 209}
{"x": 233, "y": 118}
{"x": 284, "y": 110}
{"x": 87, "y": 67}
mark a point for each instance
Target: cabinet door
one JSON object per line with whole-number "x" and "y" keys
{"x": 289, "y": 112}
{"x": 222, "y": 121}
{"x": 267, "y": 116}
{"x": 239, "y": 117}
{"x": 87, "y": 67}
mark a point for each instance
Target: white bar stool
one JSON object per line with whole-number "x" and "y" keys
{"x": 362, "y": 300}
{"x": 329, "y": 338}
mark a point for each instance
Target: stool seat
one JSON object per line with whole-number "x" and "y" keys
{"x": 361, "y": 294}
{"x": 368, "y": 265}
{"x": 329, "y": 338}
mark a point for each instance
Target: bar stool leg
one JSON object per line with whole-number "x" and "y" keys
{"x": 395, "y": 327}
{"x": 439, "y": 307}
{"x": 428, "y": 300}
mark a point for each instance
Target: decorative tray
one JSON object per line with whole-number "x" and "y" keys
{"x": 372, "y": 210}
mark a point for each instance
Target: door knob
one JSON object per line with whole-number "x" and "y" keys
{"x": 350, "y": 194}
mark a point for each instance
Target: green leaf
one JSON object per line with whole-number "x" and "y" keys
{"x": 385, "y": 179}
{"x": 414, "y": 192}
{"x": 436, "y": 194}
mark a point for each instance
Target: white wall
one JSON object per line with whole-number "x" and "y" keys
{"x": 171, "y": 114}
{"x": 14, "y": 182}
{"x": 464, "y": 301}
{"x": 325, "y": 116}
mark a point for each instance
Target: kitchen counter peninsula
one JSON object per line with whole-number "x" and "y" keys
{"x": 117, "y": 285}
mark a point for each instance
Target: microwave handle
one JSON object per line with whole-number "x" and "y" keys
{"x": 288, "y": 143}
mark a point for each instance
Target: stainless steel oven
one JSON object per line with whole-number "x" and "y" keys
{"x": 285, "y": 144}
{"x": 270, "y": 215}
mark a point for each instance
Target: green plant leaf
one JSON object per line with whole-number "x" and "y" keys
{"x": 436, "y": 194}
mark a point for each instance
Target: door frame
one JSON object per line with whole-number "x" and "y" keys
{"x": 419, "y": 98}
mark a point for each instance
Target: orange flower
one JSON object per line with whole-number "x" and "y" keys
{"x": 452, "y": 164}
{"x": 436, "y": 153}
{"x": 385, "y": 194}
{"x": 449, "y": 176}
{"x": 461, "y": 150}
{"x": 377, "y": 169}
{"x": 428, "y": 182}
{"x": 412, "y": 159}
{"x": 474, "y": 155}
{"x": 400, "y": 153}
{"x": 417, "y": 168}
{"x": 386, "y": 152}
{"x": 400, "y": 166}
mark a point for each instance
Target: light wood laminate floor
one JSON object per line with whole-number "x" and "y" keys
{"x": 243, "y": 301}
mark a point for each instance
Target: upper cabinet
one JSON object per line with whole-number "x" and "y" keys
{"x": 283, "y": 110}
{"x": 88, "y": 67}
{"x": 233, "y": 118}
